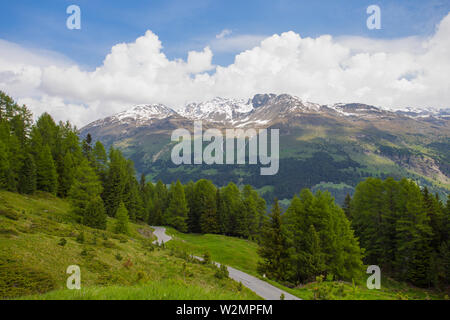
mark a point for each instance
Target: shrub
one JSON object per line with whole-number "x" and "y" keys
{"x": 10, "y": 214}
{"x": 18, "y": 280}
{"x": 109, "y": 244}
{"x": 207, "y": 258}
{"x": 222, "y": 272}
{"x": 118, "y": 257}
{"x": 80, "y": 237}
{"x": 128, "y": 264}
{"x": 62, "y": 242}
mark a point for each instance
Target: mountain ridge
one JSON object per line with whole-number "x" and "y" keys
{"x": 236, "y": 111}
{"x": 330, "y": 147}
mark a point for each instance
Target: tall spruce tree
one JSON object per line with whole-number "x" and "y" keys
{"x": 27, "y": 176}
{"x": 273, "y": 248}
{"x": 86, "y": 186}
{"x": 121, "y": 225}
{"x": 205, "y": 204}
{"x": 46, "y": 177}
{"x": 95, "y": 215}
{"x": 176, "y": 213}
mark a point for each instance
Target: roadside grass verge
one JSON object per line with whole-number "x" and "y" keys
{"x": 157, "y": 290}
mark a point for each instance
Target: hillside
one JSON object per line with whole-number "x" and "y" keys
{"x": 33, "y": 258}
{"x": 326, "y": 147}
{"x": 242, "y": 254}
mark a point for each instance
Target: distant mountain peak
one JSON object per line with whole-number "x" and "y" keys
{"x": 145, "y": 112}
{"x": 217, "y": 109}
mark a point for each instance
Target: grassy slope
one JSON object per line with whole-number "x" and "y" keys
{"x": 242, "y": 255}
{"x": 112, "y": 266}
{"x": 234, "y": 252}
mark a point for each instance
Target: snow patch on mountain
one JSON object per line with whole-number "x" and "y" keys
{"x": 217, "y": 109}
{"x": 145, "y": 112}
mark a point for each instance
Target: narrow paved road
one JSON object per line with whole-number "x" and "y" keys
{"x": 161, "y": 236}
{"x": 260, "y": 287}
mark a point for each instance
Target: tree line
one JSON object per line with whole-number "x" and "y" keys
{"x": 404, "y": 229}
{"x": 396, "y": 225}
{"x": 312, "y": 238}
{"x": 393, "y": 224}
{"x": 46, "y": 156}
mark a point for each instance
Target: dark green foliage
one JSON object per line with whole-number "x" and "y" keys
{"x": 403, "y": 229}
{"x": 273, "y": 249}
{"x": 346, "y": 206}
{"x": 17, "y": 280}
{"x": 46, "y": 177}
{"x": 27, "y": 176}
{"x": 222, "y": 272}
{"x": 121, "y": 225}
{"x": 176, "y": 213}
{"x": 158, "y": 203}
{"x": 95, "y": 215}
{"x": 205, "y": 206}
{"x": 206, "y": 258}
{"x": 80, "y": 237}
{"x": 86, "y": 186}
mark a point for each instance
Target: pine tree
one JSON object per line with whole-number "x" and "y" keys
{"x": 274, "y": 247}
{"x": 95, "y": 215}
{"x": 100, "y": 160}
{"x": 4, "y": 166}
{"x": 67, "y": 170}
{"x": 121, "y": 225}
{"x": 46, "y": 176}
{"x": 346, "y": 206}
{"x": 115, "y": 183}
{"x": 87, "y": 148}
{"x": 176, "y": 214}
{"x": 159, "y": 203}
{"x": 86, "y": 186}
{"x": 232, "y": 210}
{"x": 205, "y": 205}
{"x": 27, "y": 177}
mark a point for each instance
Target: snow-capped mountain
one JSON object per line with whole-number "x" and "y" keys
{"x": 217, "y": 109}
{"x": 142, "y": 113}
{"x": 260, "y": 110}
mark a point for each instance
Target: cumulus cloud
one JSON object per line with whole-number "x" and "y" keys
{"x": 389, "y": 73}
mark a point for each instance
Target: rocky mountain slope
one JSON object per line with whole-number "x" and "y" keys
{"x": 329, "y": 147}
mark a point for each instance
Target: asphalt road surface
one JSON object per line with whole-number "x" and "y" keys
{"x": 260, "y": 287}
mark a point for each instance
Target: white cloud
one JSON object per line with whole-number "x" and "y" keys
{"x": 224, "y": 33}
{"x": 390, "y": 73}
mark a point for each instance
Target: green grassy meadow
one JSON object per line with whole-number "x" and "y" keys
{"x": 242, "y": 254}
{"x": 34, "y": 258}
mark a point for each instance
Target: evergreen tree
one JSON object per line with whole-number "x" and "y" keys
{"x": 205, "y": 205}
{"x": 4, "y": 165}
{"x": 274, "y": 247}
{"x": 159, "y": 203}
{"x": 346, "y": 206}
{"x": 86, "y": 186}
{"x": 232, "y": 210}
{"x": 86, "y": 147}
{"x": 176, "y": 214}
{"x": 121, "y": 225}
{"x": 100, "y": 160}
{"x": 95, "y": 215}
{"x": 115, "y": 183}
{"x": 67, "y": 170}
{"x": 27, "y": 177}
{"x": 46, "y": 176}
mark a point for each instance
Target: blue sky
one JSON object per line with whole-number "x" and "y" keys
{"x": 191, "y": 25}
{"x": 320, "y": 51}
